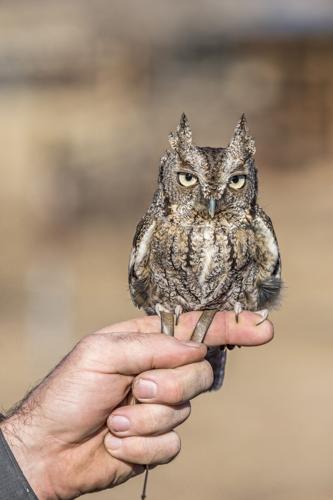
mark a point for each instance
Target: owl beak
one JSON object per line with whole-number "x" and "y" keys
{"x": 211, "y": 207}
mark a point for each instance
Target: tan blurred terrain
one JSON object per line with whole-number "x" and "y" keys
{"x": 85, "y": 110}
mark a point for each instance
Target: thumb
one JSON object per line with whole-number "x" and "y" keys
{"x": 223, "y": 330}
{"x": 128, "y": 353}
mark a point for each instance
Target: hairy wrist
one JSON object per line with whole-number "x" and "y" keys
{"x": 30, "y": 454}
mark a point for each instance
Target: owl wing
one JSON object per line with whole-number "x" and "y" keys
{"x": 269, "y": 259}
{"x": 138, "y": 271}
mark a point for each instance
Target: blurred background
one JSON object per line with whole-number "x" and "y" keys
{"x": 88, "y": 94}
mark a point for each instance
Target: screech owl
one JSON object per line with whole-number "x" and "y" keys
{"x": 204, "y": 243}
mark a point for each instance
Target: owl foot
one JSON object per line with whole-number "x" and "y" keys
{"x": 237, "y": 309}
{"x": 263, "y": 314}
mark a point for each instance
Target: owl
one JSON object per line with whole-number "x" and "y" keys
{"x": 204, "y": 243}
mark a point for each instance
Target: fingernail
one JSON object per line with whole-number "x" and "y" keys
{"x": 112, "y": 442}
{"x": 145, "y": 389}
{"x": 119, "y": 423}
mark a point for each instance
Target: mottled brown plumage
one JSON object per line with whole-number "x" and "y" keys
{"x": 204, "y": 242}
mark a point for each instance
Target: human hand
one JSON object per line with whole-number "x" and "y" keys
{"x": 59, "y": 434}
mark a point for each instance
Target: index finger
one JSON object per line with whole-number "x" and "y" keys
{"x": 223, "y": 330}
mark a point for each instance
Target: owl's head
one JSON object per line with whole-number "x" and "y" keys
{"x": 209, "y": 180}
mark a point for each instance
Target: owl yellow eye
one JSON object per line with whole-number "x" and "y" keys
{"x": 237, "y": 181}
{"x": 187, "y": 180}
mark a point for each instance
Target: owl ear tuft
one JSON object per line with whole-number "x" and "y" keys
{"x": 242, "y": 142}
{"x": 181, "y": 140}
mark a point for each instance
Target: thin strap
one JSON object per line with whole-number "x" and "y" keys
{"x": 167, "y": 323}
{"x": 203, "y": 324}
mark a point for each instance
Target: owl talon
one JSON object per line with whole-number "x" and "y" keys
{"x": 263, "y": 314}
{"x": 178, "y": 311}
{"x": 159, "y": 309}
{"x": 237, "y": 309}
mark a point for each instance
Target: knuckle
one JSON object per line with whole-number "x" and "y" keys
{"x": 151, "y": 420}
{"x": 178, "y": 384}
{"x": 163, "y": 418}
{"x": 92, "y": 343}
{"x": 84, "y": 348}
{"x": 159, "y": 418}
{"x": 176, "y": 390}
{"x": 208, "y": 377}
{"x": 85, "y": 343}
{"x": 175, "y": 445}
{"x": 185, "y": 410}
{"x": 148, "y": 451}
{"x": 161, "y": 449}
{"x": 135, "y": 449}
{"x": 168, "y": 448}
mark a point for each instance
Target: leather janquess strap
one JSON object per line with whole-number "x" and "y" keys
{"x": 203, "y": 324}
{"x": 167, "y": 323}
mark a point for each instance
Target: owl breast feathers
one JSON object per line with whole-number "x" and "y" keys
{"x": 204, "y": 242}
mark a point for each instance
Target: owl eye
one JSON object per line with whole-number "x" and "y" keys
{"x": 187, "y": 180}
{"x": 237, "y": 181}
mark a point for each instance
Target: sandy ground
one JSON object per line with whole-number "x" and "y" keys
{"x": 267, "y": 435}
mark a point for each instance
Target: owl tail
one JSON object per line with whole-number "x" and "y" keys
{"x": 217, "y": 357}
